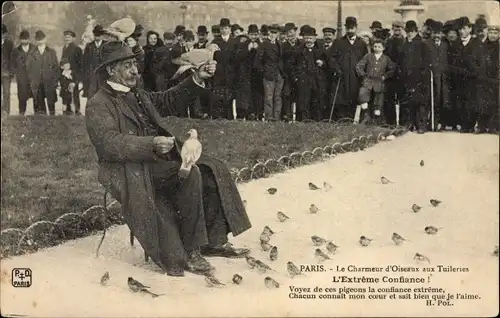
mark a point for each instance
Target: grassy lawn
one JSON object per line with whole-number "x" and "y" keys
{"x": 53, "y": 157}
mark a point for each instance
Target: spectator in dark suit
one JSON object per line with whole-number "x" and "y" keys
{"x": 7, "y": 48}
{"x": 154, "y": 43}
{"x": 414, "y": 64}
{"x": 491, "y": 96}
{"x": 202, "y": 33}
{"x": 73, "y": 54}
{"x": 470, "y": 71}
{"x": 44, "y": 72}
{"x": 19, "y": 56}
{"x": 289, "y": 90}
{"x": 92, "y": 58}
{"x": 163, "y": 66}
{"x": 270, "y": 62}
{"x": 223, "y": 80}
{"x": 215, "y": 31}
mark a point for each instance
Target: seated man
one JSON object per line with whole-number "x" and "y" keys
{"x": 176, "y": 221}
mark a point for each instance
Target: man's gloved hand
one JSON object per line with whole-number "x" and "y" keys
{"x": 207, "y": 70}
{"x": 162, "y": 145}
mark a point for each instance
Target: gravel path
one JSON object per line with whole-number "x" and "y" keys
{"x": 460, "y": 170}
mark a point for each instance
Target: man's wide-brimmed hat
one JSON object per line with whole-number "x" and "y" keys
{"x": 179, "y": 30}
{"x": 436, "y": 26}
{"x": 235, "y": 27}
{"x": 463, "y": 21}
{"x": 39, "y": 35}
{"x": 115, "y": 51}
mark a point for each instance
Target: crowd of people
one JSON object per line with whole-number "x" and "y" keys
{"x": 280, "y": 72}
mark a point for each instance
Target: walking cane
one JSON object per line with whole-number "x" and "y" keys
{"x": 334, "y": 100}
{"x": 189, "y": 113}
{"x": 294, "y": 112}
{"x": 432, "y": 100}
{"x": 234, "y": 109}
{"x": 397, "y": 106}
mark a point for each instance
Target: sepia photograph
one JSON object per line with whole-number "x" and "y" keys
{"x": 250, "y": 158}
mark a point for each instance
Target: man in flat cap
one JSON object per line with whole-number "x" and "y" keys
{"x": 470, "y": 71}
{"x": 289, "y": 88}
{"x": 270, "y": 62}
{"x": 73, "y": 53}
{"x": 92, "y": 58}
{"x": 19, "y": 56}
{"x": 223, "y": 80}
{"x": 7, "y": 48}
{"x": 248, "y": 84}
{"x": 414, "y": 70}
{"x": 394, "y": 86}
{"x": 440, "y": 70}
{"x": 348, "y": 51}
{"x": 176, "y": 218}
{"x": 43, "y": 71}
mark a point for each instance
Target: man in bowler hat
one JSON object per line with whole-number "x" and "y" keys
{"x": 348, "y": 51}
{"x": 176, "y": 218}
{"x": 289, "y": 88}
{"x": 92, "y": 58}
{"x": 202, "y": 33}
{"x": 414, "y": 66}
{"x": 43, "y": 71}
{"x": 73, "y": 53}
{"x": 19, "y": 56}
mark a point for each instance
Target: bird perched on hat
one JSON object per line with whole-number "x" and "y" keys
{"x": 121, "y": 29}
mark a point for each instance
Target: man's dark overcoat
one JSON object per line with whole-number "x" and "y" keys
{"x": 44, "y": 69}
{"x": 248, "y": 79}
{"x": 74, "y": 54}
{"x": 19, "y": 66}
{"x": 91, "y": 59}
{"x": 347, "y": 56}
{"x": 125, "y": 163}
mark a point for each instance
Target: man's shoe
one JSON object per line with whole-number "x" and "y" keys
{"x": 225, "y": 250}
{"x": 197, "y": 264}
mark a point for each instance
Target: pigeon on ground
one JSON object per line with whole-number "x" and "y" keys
{"x": 421, "y": 163}
{"x": 264, "y": 238}
{"x": 272, "y": 190}
{"x": 313, "y": 209}
{"x": 431, "y": 229}
{"x": 364, "y": 241}
{"x": 237, "y": 279}
{"x": 271, "y": 283}
{"x": 331, "y": 247}
{"x": 121, "y": 29}
{"x": 135, "y": 285}
{"x": 312, "y": 186}
{"x": 105, "y": 278}
{"x": 262, "y": 267}
{"x": 320, "y": 255}
{"x": 416, "y": 208}
{"x": 421, "y": 258}
{"x": 397, "y": 239}
{"x": 212, "y": 281}
{"x": 318, "y": 240}
{"x": 251, "y": 261}
{"x": 327, "y": 186}
{"x": 273, "y": 254}
{"x": 267, "y": 230}
{"x": 384, "y": 180}
{"x": 293, "y": 270}
{"x": 265, "y": 246}
{"x": 435, "y": 202}
{"x": 282, "y": 217}
{"x": 194, "y": 59}
{"x": 190, "y": 153}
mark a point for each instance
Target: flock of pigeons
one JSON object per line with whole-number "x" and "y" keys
{"x": 292, "y": 269}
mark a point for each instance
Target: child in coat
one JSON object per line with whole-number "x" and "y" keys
{"x": 67, "y": 85}
{"x": 375, "y": 68}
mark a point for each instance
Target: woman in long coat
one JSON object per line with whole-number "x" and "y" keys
{"x": 153, "y": 44}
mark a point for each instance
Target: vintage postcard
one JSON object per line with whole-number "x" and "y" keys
{"x": 250, "y": 158}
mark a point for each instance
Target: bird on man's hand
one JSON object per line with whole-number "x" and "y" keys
{"x": 190, "y": 153}
{"x": 194, "y": 59}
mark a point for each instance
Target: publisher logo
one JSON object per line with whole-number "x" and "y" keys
{"x": 22, "y": 277}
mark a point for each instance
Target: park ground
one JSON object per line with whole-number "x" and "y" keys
{"x": 460, "y": 170}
